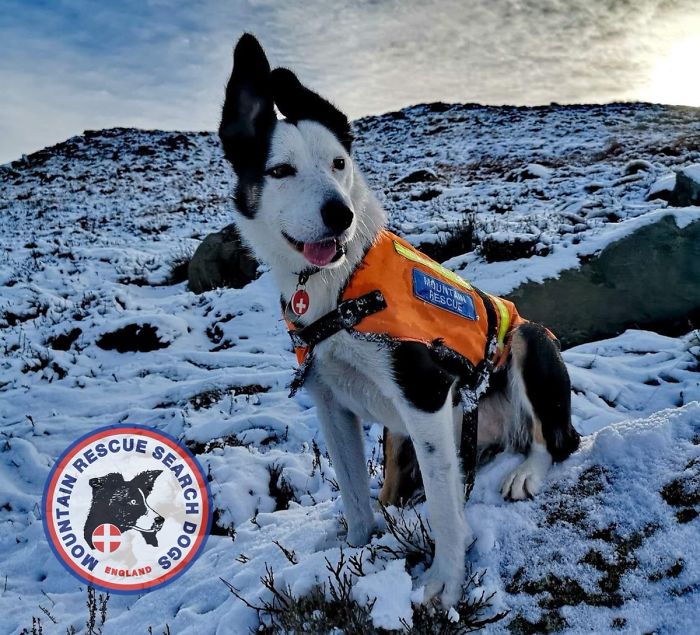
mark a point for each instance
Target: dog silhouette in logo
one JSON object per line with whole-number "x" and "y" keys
{"x": 124, "y": 504}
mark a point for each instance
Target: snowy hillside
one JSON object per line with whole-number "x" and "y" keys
{"x": 97, "y": 327}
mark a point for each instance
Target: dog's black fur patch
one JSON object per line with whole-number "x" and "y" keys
{"x": 120, "y": 503}
{"x": 548, "y": 388}
{"x": 296, "y": 102}
{"x": 248, "y": 120}
{"x": 423, "y": 381}
{"x": 498, "y": 380}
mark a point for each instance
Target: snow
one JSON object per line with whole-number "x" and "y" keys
{"x": 666, "y": 183}
{"x": 390, "y": 590}
{"x": 692, "y": 172}
{"x": 90, "y": 233}
{"x": 638, "y": 457}
{"x": 535, "y": 170}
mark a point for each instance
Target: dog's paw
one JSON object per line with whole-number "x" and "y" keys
{"x": 437, "y": 582}
{"x": 527, "y": 479}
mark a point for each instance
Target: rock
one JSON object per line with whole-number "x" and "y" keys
{"x": 662, "y": 188}
{"x": 420, "y": 176}
{"x": 639, "y": 165}
{"x": 681, "y": 189}
{"x": 648, "y": 279}
{"x": 221, "y": 260}
{"x": 687, "y": 190}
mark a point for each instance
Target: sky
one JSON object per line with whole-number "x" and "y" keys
{"x": 71, "y": 65}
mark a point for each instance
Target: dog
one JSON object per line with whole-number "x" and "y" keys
{"x": 304, "y": 209}
{"x": 125, "y": 505}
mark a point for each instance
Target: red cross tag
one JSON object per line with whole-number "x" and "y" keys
{"x": 300, "y": 302}
{"x": 107, "y": 538}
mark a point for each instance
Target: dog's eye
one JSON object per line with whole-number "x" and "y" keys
{"x": 339, "y": 164}
{"x": 132, "y": 501}
{"x": 281, "y": 171}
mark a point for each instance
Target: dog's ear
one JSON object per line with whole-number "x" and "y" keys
{"x": 144, "y": 480}
{"x": 99, "y": 482}
{"x": 248, "y": 115}
{"x": 297, "y": 102}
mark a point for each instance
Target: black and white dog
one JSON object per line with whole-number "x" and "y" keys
{"x": 303, "y": 206}
{"x": 125, "y": 505}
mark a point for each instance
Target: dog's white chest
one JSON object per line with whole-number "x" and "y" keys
{"x": 360, "y": 375}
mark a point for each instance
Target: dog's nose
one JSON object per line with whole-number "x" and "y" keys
{"x": 159, "y": 520}
{"x": 336, "y": 215}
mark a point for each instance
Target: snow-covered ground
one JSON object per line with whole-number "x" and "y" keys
{"x": 91, "y": 233}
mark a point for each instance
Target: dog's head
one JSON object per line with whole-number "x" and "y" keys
{"x": 298, "y": 192}
{"x": 123, "y": 504}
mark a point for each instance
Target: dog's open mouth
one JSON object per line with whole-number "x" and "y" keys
{"x": 320, "y": 253}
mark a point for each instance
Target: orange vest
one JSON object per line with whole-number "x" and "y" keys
{"x": 424, "y": 302}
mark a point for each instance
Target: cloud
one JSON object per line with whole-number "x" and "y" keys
{"x": 68, "y": 65}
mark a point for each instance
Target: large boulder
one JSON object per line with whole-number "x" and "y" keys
{"x": 687, "y": 190}
{"x": 680, "y": 189}
{"x": 221, "y": 260}
{"x": 649, "y": 279}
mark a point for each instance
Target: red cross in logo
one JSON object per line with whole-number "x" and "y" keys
{"x": 300, "y": 302}
{"x": 107, "y": 538}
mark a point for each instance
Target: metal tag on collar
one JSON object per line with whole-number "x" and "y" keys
{"x": 300, "y": 302}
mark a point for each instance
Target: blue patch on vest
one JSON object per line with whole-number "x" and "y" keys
{"x": 443, "y": 295}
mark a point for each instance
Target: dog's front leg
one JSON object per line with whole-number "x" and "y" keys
{"x": 342, "y": 433}
{"x": 434, "y": 441}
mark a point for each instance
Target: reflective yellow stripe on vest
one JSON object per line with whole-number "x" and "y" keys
{"x": 503, "y": 322}
{"x": 443, "y": 271}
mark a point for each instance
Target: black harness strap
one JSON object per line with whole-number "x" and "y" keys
{"x": 346, "y": 315}
{"x": 485, "y": 367}
{"x": 468, "y": 440}
{"x": 467, "y": 449}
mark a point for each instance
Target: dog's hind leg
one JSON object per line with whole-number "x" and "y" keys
{"x": 342, "y": 433}
{"x": 540, "y": 394}
{"x": 402, "y": 479}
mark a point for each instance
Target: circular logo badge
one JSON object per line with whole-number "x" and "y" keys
{"x": 127, "y": 509}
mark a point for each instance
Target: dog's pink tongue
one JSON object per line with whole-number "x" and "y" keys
{"x": 320, "y": 253}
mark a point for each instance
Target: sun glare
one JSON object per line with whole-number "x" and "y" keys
{"x": 674, "y": 77}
